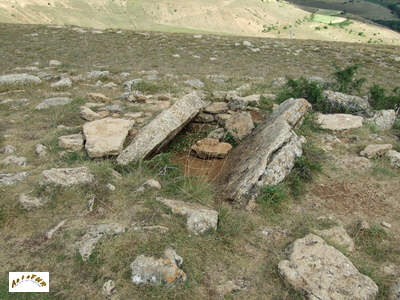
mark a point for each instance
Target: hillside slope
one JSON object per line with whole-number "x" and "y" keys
{"x": 234, "y": 17}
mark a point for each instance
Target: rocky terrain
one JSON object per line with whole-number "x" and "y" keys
{"x": 168, "y": 166}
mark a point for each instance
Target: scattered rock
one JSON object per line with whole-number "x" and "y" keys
{"x": 217, "y": 134}
{"x": 375, "y": 150}
{"x": 266, "y": 157}
{"x": 394, "y": 291}
{"x": 386, "y": 224}
{"x": 153, "y": 184}
{"x": 227, "y": 288}
{"x": 217, "y": 108}
{"x": 204, "y": 118}
{"x": 350, "y": 103}
{"x": 337, "y": 235}
{"x": 109, "y": 288}
{"x": 8, "y": 149}
{"x": 88, "y": 242}
{"x": 16, "y": 160}
{"x": 15, "y": 81}
{"x": 89, "y": 115}
{"x": 394, "y": 158}
{"x": 195, "y": 83}
{"x": 240, "y": 125}
{"x": 384, "y": 119}
{"x": 319, "y": 271}
{"x": 354, "y": 162}
{"x": 150, "y": 270}
{"x": 159, "y": 228}
{"x": 94, "y": 75}
{"x": 339, "y": 121}
{"x": 110, "y": 187}
{"x": 160, "y": 131}
{"x": 53, "y": 102}
{"x": 199, "y": 218}
{"x": 7, "y": 179}
{"x": 73, "y": 142}
{"x": 51, "y": 232}
{"x": 55, "y": 63}
{"x": 62, "y": 84}
{"x": 29, "y": 202}
{"x": 211, "y": 148}
{"x": 66, "y": 176}
{"x": 106, "y": 137}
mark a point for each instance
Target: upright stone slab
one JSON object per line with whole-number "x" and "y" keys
{"x": 151, "y": 138}
{"x": 266, "y": 156}
{"x": 319, "y": 271}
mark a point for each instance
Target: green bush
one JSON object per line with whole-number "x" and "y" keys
{"x": 272, "y": 196}
{"x": 379, "y": 99}
{"x": 345, "y": 81}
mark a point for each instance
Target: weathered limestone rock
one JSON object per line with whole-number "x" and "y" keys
{"x": 217, "y": 134}
{"x": 227, "y": 288}
{"x": 41, "y": 150}
{"x": 16, "y": 160}
{"x": 106, "y": 137}
{"x": 240, "y": 125}
{"x": 204, "y": 118}
{"x": 55, "y": 63}
{"x": 211, "y": 148}
{"x": 384, "y": 119}
{"x": 199, "y": 218}
{"x": 66, "y": 176}
{"x": 153, "y": 184}
{"x": 15, "y": 81}
{"x": 29, "y": 202}
{"x": 109, "y": 288}
{"x": 195, "y": 83}
{"x": 89, "y": 115}
{"x": 73, "y": 142}
{"x": 394, "y": 158}
{"x": 8, "y": 149}
{"x": 339, "y": 121}
{"x": 265, "y": 157}
{"x": 62, "y": 84}
{"x": 94, "y": 75}
{"x": 319, "y": 271}
{"x": 53, "y": 230}
{"x": 216, "y": 108}
{"x": 88, "y": 242}
{"x": 160, "y": 131}
{"x": 222, "y": 118}
{"x": 375, "y": 150}
{"x": 12, "y": 178}
{"x": 350, "y": 103}
{"x": 53, "y": 102}
{"x": 394, "y": 291}
{"x": 337, "y": 235}
{"x": 150, "y": 270}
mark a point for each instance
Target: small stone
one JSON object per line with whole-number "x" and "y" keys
{"x": 240, "y": 125}
{"x": 109, "y": 288}
{"x": 217, "y": 108}
{"x": 385, "y": 224}
{"x": 384, "y": 119}
{"x": 66, "y": 176}
{"x": 195, "y": 83}
{"x": 7, "y": 179}
{"x": 55, "y": 63}
{"x": 149, "y": 270}
{"x": 152, "y": 183}
{"x": 132, "y": 132}
{"x": 57, "y": 101}
{"x": 8, "y": 149}
{"x": 94, "y": 75}
{"x": 29, "y": 202}
{"x": 89, "y": 115}
{"x": 98, "y": 97}
{"x": 73, "y": 142}
{"x": 114, "y": 108}
{"x": 62, "y": 84}
{"x": 40, "y": 150}
{"x": 211, "y": 148}
{"x": 394, "y": 291}
{"x": 116, "y": 175}
{"x": 247, "y": 44}
{"x": 110, "y": 187}
{"x": 227, "y": 288}
{"x": 375, "y": 150}
{"x": 394, "y": 158}
{"x": 222, "y": 119}
{"x": 217, "y": 134}
{"x": 134, "y": 115}
{"x": 51, "y": 232}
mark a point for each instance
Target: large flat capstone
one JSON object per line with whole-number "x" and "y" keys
{"x": 266, "y": 156}
{"x": 319, "y": 271}
{"x": 151, "y": 138}
{"x": 106, "y": 136}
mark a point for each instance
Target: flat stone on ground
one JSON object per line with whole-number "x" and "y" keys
{"x": 53, "y": 102}
{"x": 73, "y": 142}
{"x": 67, "y": 176}
{"x": 339, "y": 121}
{"x": 7, "y": 179}
{"x": 375, "y": 150}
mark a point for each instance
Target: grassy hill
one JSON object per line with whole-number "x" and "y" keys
{"x": 274, "y": 19}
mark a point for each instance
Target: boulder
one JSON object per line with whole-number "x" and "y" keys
{"x": 375, "y": 150}
{"x": 394, "y": 158}
{"x": 88, "y": 242}
{"x": 319, "y": 271}
{"x": 240, "y": 125}
{"x": 338, "y": 236}
{"x": 66, "y": 176}
{"x": 106, "y": 136}
{"x": 394, "y": 291}
{"x": 216, "y": 108}
{"x": 200, "y": 219}
{"x": 157, "y": 271}
{"x": 89, "y": 115}
{"x": 160, "y": 131}
{"x": 211, "y": 148}
{"x": 339, "y": 121}
{"x": 62, "y": 84}
{"x": 339, "y": 101}
{"x": 7, "y": 179}
{"x": 15, "y": 81}
{"x": 265, "y": 157}
{"x": 384, "y": 119}
{"x": 53, "y": 102}
{"x": 73, "y": 142}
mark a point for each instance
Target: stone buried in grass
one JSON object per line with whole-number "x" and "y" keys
{"x": 66, "y": 176}
{"x": 14, "y": 81}
{"x": 340, "y": 121}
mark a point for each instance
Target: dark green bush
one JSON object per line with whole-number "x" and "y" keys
{"x": 272, "y": 196}
{"x": 345, "y": 81}
{"x": 379, "y": 99}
